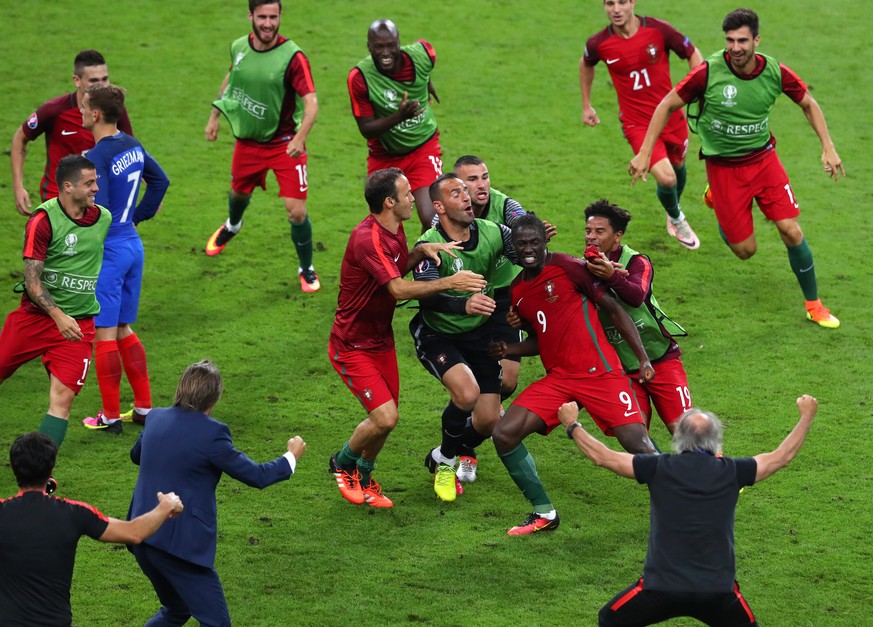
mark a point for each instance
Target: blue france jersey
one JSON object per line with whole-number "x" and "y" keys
{"x": 122, "y": 165}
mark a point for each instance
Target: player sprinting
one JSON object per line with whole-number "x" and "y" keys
{"x": 122, "y": 165}
{"x": 738, "y": 88}
{"x": 636, "y": 51}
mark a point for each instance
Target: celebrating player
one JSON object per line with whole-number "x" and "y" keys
{"x": 61, "y": 121}
{"x": 390, "y": 92}
{"x": 268, "y": 75}
{"x": 605, "y": 224}
{"x": 558, "y": 298}
{"x": 636, "y": 51}
{"x": 361, "y": 346}
{"x": 122, "y": 164}
{"x": 63, "y": 251}
{"x": 452, "y": 332}
{"x": 738, "y": 88}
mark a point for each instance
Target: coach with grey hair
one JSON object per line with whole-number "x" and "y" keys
{"x": 690, "y": 567}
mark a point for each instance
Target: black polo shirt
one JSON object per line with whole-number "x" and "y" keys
{"x": 692, "y": 505}
{"x": 38, "y": 538}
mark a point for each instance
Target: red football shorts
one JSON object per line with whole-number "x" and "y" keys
{"x": 671, "y": 144}
{"x": 734, "y": 187}
{"x": 422, "y": 166}
{"x": 251, "y": 162}
{"x": 372, "y": 377}
{"x": 608, "y": 398}
{"x": 668, "y": 392}
{"x": 27, "y": 335}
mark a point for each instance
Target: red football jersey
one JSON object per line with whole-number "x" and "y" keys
{"x": 639, "y": 66}
{"x": 559, "y": 305}
{"x": 61, "y": 121}
{"x": 365, "y": 307}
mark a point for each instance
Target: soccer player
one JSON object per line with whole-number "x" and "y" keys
{"x": 690, "y": 567}
{"x": 63, "y": 251}
{"x": 390, "y": 92}
{"x": 558, "y": 298}
{"x": 361, "y": 346}
{"x": 39, "y": 535}
{"x": 605, "y": 225}
{"x": 452, "y": 331}
{"x": 122, "y": 164}
{"x": 261, "y": 96}
{"x": 61, "y": 121}
{"x": 738, "y": 88}
{"x": 491, "y": 204}
{"x": 636, "y": 51}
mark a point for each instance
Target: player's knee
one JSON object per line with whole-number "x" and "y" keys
{"x": 466, "y": 397}
{"x": 504, "y": 438}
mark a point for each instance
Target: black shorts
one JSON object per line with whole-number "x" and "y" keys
{"x": 438, "y": 352}
{"x": 638, "y": 606}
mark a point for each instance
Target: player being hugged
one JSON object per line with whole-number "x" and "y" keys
{"x": 558, "y": 298}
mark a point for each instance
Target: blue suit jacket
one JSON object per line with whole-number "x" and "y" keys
{"x": 185, "y": 452}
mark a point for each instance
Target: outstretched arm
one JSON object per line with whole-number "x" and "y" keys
{"x": 136, "y": 530}
{"x": 620, "y": 463}
{"x": 639, "y": 165}
{"x": 586, "y": 80}
{"x": 833, "y": 165}
{"x": 215, "y": 114}
{"x": 68, "y": 326}
{"x": 297, "y": 146}
{"x": 769, "y": 463}
{"x": 629, "y": 332}
{"x": 17, "y": 156}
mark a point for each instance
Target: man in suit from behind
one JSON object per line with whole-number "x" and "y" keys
{"x": 185, "y": 447}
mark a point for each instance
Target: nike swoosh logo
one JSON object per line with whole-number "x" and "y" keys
{"x": 397, "y": 258}
{"x": 68, "y": 132}
{"x": 611, "y": 61}
{"x": 807, "y": 269}
{"x": 629, "y": 413}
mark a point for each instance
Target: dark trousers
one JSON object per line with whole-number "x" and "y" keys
{"x": 636, "y": 606}
{"x": 184, "y": 589}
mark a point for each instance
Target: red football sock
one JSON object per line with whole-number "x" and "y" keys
{"x": 133, "y": 356}
{"x": 107, "y": 361}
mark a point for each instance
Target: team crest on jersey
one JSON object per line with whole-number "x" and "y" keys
{"x": 652, "y": 51}
{"x": 32, "y": 121}
{"x": 390, "y": 95}
{"x": 70, "y": 240}
{"x": 368, "y": 394}
{"x": 551, "y": 296}
{"x": 457, "y": 265}
{"x": 729, "y": 92}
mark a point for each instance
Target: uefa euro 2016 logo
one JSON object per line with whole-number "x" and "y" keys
{"x": 729, "y": 92}
{"x": 70, "y": 241}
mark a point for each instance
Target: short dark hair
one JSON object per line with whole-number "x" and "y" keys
{"x": 108, "y": 99}
{"x": 70, "y": 169}
{"x": 739, "y": 18}
{"x": 467, "y": 160}
{"x": 617, "y": 217}
{"x": 530, "y": 220}
{"x": 87, "y": 58}
{"x": 380, "y": 185}
{"x": 199, "y": 387}
{"x": 254, "y": 4}
{"x": 434, "y": 189}
{"x": 32, "y": 457}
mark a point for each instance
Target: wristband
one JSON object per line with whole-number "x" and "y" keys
{"x": 572, "y": 428}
